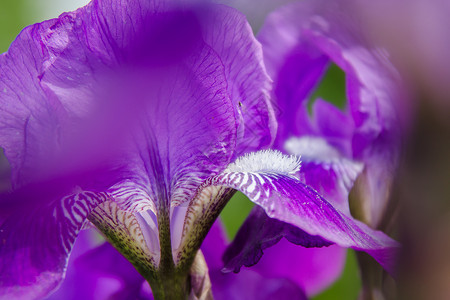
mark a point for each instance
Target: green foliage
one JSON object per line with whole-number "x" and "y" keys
{"x": 331, "y": 88}
{"x": 235, "y": 212}
{"x": 12, "y": 20}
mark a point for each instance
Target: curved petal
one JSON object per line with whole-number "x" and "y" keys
{"x": 285, "y": 198}
{"x": 291, "y": 89}
{"x": 100, "y": 272}
{"x": 328, "y": 29}
{"x": 251, "y": 285}
{"x": 249, "y": 84}
{"x": 260, "y": 232}
{"x": 248, "y": 284}
{"x": 37, "y": 240}
{"x": 77, "y": 284}
{"x": 325, "y": 169}
{"x": 98, "y": 73}
{"x": 374, "y": 90}
{"x": 323, "y": 122}
{"x": 313, "y": 269}
{"x": 20, "y": 94}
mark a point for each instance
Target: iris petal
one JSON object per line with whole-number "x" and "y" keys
{"x": 36, "y": 241}
{"x": 285, "y": 198}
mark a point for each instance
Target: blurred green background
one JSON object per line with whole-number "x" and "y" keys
{"x": 16, "y": 14}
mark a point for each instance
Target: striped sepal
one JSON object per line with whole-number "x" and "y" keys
{"x": 36, "y": 241}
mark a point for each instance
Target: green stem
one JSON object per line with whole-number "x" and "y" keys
{"x": 169, "y": 283}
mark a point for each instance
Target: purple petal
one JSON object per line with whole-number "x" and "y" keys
{"x": 323, "y": 121}
{"x": 103, "y": 273}
{"x": 100, "y": 272}
{"x": 106, "y": 262}
{"x": 248, "y": 284}
{"x": 311, "y": 269}
{"x": 214, "y": 245}
{"x": 325, "y": 169}
{"x": 292, "y": 89}
{"x": 104, "y": 71}
{"x": 260, "y": 232}
{"x": 249, "y": 83}
{"x": 251, "y": 285}
{"x": 328, "y": 30}
{"x": 374, "y": 90}
{"x": 20, "y": 92}
{"x": 285, "y": 198}
{"x": 78, "y": 284}
{"x": 37, "y": 240}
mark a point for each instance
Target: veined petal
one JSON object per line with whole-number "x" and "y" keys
{"x": 285, "y": 198}
{"x": 36, "y": 242}
{"x": 21, "y": 93}
{"x": 249, "y": 85}
{"x": 95, "y": 78}
{"x": 132, "y": 195}
{"x": 130, "y": 233}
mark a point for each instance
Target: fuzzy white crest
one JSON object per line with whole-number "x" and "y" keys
{"x": 312, "y": 148}
{"x": 266, "y": 161}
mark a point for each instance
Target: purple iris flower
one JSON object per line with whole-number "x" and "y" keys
{"x": 300, "y": 42}
{"x": 142, "y": 118}
{"x": 338, "y": 147}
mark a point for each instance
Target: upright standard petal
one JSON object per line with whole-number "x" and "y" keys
{"x": 314, "y": 34}
{"x": 249, "y": 84}
{"x": 110, "y": 84}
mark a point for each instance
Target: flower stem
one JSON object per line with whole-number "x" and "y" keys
{"x": 169, "y": 283}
